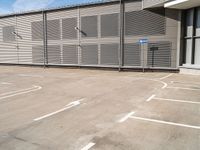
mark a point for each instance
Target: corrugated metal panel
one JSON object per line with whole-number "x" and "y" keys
{"x": 109, "y": 54}
{"x": 53, "y": 29}
{"x": 8, "y": 50}
{"x": 89, "y": 54}
{"x": 68, "y": 28}
{"x": 70, "y": 54}
{"x": 8, "y": 33}
{"x": 145, "y": 22}
{"x": 160, "y": 57}
{"x": 132, "y": 54}
{"x": 88, "y": 26}
{"x": 109, "y": 25}
{"x": 25, "y": 32}
{"x": 54, "y": 54}
{"x": 38, "y": 54}
{"x": 37, "y": 30}
{"x": 153, "y": 3}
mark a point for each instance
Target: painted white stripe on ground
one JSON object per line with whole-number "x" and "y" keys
{"x": 126, "y": 117}
{"x": 181, "y": 88}
{"x": 29, "y": 75}
{"x": 175, "y": 100}
{"x": 87, "y": 147}
{"x": 165, "y": 122}
{"x": 24, "y": 91}
{"x": 70, "y": 105}
{"x": 166, "y": 76}
{"x": 6, "y": 83}
{"x": 150, "y": 98}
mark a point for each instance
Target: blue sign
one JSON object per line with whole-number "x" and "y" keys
{"x": 143, "y": 41}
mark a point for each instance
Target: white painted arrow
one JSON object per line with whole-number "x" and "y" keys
{"x": 70, "y": 105}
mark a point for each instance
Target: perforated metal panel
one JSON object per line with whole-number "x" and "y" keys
{"x": 8, "y": 34}
{"x": 161, "y": 57}
{"x": 89, "y": 26}
{"x": 53, "y": 29}
{"x": 68, "y": 28}
{"x": 145, "y": 22}
{"x": 37, "y": 30}
{"x": 109, "y": 54}
{"x": 54, "y": 54}
{"x": 70, "y": 54}
{"x": 132, "y": 54}
{"x": 89, "y": 54}
{"x": 38, "y": 54}
{"x": 110, "y": 25}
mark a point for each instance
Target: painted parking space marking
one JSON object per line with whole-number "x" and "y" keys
{"x": 29, "y": 75}
{"x": 165, "y": 122}
{"x": 87, "y": 147}
{"x": 6, "y": 83}
{"x": 181, "y": 88}
{"x": 70, "y": 105}
{"x": 130, "y": 116}
{"x": 20, "y": 92}
{"x": 150, "y": 98}
{"x": 126, "y": 117}
{"x": 175, "y": 100}
{"x": 167, "y": 76}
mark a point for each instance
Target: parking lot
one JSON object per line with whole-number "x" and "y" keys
{"x": 81, "y": 109}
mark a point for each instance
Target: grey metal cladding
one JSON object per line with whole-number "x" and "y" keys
{"x": 70, "y": 54}
{"x": 68, "y": 28}
{"x": 132, "y": 54}
{"x": 109, "y": 25}
{"x": 89, "y": 26}
{"x": 37, "y": 30}
{"x": 149, "y": 3}
{"x": 8, "y": 35}
{"x": 89, "y": 54}
{"x": 54, "y": 54}
{"x": 109, "y": 54}
{"x": 53, "y": 29}
{"x": 145, "y": 22}
{"x": 37, "y": 54}
{"x": 162, "y": 56}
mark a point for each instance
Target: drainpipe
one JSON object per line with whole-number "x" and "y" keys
{"x": 121, "y": 31}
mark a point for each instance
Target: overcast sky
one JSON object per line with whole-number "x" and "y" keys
{"x": 9, "y": 6}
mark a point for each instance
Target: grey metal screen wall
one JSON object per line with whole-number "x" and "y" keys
{"x": 88, "y": 26}
{"x": 70, "y": 54}
{"x": 53, "y": 29}
{"x": 132, "y": 54}
{"x": 89, "y": 54}
{"x": 145, "y": 22}
{"x": 68, "y": 28}
{"x": 54, "y": 54}
{"x": 109, "y": 54}
{"x": 8, "y": 33}
{"x": 109, "y": 25}
{"x": 161, "y": 55}
{"x": 37, "y": 30}
{"x": 37, "y": 54}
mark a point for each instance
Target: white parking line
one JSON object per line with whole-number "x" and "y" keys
{"x": 87, "y": 147}
{"x": 19, "y": 92}
{"x": 166, "y": 76}
{"x": 150, "y": 98}
{"x": 175, "y": 100}
{"x": 70, "y": 105}
{"x": 29, "y": 75}
{"x": 192, "y": 89}
{"x": 6, "y": 83}
{"x": 165, "y": 122}
{"x": 126, "y": 117}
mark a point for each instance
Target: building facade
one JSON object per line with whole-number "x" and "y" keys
{"x": 104, "y": 34}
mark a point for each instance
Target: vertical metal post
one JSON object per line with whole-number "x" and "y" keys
{"x": 143, "y": 58}
{"x": 121, "y": 34}
{"x": 45, "y": 38}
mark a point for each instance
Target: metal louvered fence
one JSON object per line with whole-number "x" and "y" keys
{"x": 75, "y": 39}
